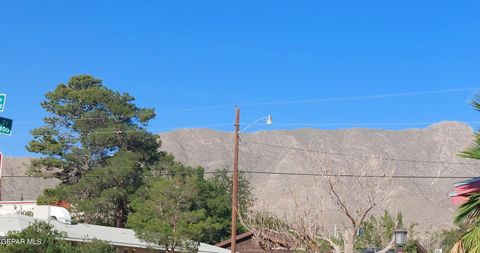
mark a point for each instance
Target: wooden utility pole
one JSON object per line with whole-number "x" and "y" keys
{"x": 1, "y": 163}
{"x": 233, "y": 243}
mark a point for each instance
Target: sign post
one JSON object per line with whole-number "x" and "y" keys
{"x": 6, "y": 129}
{"x": 1, "y": 163}
{"x": 3, "y": 97}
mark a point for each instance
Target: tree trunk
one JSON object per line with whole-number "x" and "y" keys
{"x": 389, "y": 246}
{"x": 336, "y": 247}
{"x": 348, "y": 239}
{"x": 119, "y": 222}
{"x": 121, "y": 215}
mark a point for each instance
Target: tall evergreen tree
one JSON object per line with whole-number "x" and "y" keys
{"x": 88, "y": 123}
{"x": 95, "y": 141}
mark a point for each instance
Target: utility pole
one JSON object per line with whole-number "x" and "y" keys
{"x": 233, "y": 240}
{"x": 3, "y": 122}
{"x": 233, "y": 243}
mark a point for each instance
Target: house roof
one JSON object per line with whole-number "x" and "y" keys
{"x": 86, "y": 232}
{"x": 18, "y": 202}
{"x": 240, "y": 238}
{"x": 468, "y": 181}
{"x": 463, "y": 189}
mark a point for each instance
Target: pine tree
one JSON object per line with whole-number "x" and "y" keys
{"x": 95, "y": 141}
{"x": 87, "y": 124}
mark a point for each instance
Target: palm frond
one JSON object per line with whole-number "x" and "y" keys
{"x": 469, "y": 211}
{"x": 458, "y": 247}
{"x": 471, "y": 240}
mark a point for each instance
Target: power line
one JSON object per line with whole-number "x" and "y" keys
{"x": 359, "y": 156}
{"x": 374, "y": 156}
{"x": 286, "y": 102}
{"x": 319, "y": 100}
{"x": 356, "y": 176}
{"x": 367, "y": 97}
{"x": 307, "y": 124}
{"x": 356, "y": 124}
{"x": 155, "y": 131}
{"x": 276, "y": 124}
{"x": 283, "y": 174}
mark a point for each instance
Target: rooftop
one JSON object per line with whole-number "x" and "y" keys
{"x": 86, "y": 232}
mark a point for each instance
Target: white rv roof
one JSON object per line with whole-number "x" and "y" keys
{"x": 86, "y": 232}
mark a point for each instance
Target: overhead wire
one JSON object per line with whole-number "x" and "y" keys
{"x": 278, "y": 173}
{"x": 285, "y": 102}
{"x": 358, "y": 156}
{"x": 357, "y": 124}
{"x": 378, "y": 96}
{"x": 375, "y": 156}
{"x": 331, "y": 99}
{"x": 366, "y": 97}
{"x": 424, "y": 123}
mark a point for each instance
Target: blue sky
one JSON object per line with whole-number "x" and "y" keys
{"x": 172, "y": 55}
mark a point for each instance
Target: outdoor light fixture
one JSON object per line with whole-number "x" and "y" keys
{"x": 400, "y": 237}
{"x": 269, "y": 120}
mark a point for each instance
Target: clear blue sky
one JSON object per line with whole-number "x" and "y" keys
{"x": 188, "y": 54}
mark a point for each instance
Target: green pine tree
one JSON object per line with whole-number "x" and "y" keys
{"x": 95, "y": 141}
{"x": 87, "y": 124}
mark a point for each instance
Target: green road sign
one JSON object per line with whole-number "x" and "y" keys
{"x": 2, "y": 101}
{"x": 6, "y": 126}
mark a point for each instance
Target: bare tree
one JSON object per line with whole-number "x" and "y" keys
{"x": 299, "y": 228}
{"x": 356, "y": 188}
{"x": 353, "y": 188}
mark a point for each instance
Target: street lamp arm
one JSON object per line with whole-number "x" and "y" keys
{"x": 268, "y": 118}
{"x": 251, "y": 124}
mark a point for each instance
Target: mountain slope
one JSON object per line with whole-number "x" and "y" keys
{"x": 424, "y": 201}
{"x": 16, "y": 187}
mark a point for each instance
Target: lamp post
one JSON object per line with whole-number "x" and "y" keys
{"x": 400, "y": 239}
{"x": 233, "y": 241}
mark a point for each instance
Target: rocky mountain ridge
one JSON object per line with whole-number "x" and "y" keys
{"x": 430, "y": 151}
{"x": 414, "y": 152}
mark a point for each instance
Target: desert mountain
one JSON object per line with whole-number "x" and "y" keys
{"x": 15, "y": 186}
{"x": 422, "y": 200}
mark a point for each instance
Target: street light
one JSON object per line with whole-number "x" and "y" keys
{"x": 400, "y": 239}
{"x": 268, "y": 121}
